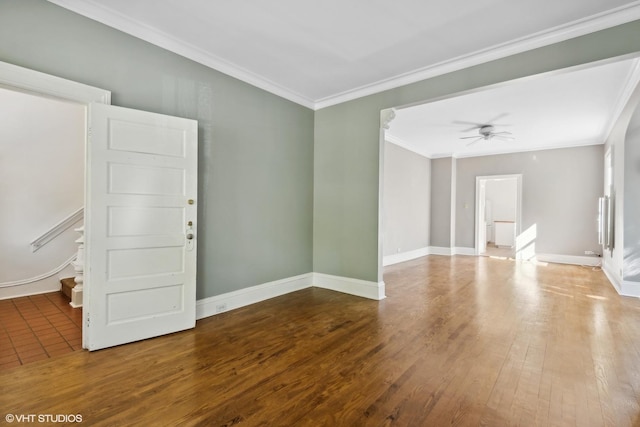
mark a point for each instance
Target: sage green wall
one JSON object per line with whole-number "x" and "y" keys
{"x": 255, "y": 149}
{"x": 346, "y": 145}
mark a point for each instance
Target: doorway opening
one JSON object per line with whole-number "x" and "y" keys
{"x": 19, "y": 79}
{"x": 498, "y": 215}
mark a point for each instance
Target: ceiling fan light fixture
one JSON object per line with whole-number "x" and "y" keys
{"x": 486, "y": 131}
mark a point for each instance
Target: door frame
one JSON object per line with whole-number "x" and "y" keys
{"x": 23, "y": 79}
{"x": 483, "y": 179}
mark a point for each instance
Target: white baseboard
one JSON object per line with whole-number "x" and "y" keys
{"x": 613, "y": 278}
{"x": 243, "y": 297}
{"x": 464, "y": 251}
{"x": 220, "y": 303}
{"x": 570, "y": 259}
{"x": 42, "y": 285}
{"x": 439, "y": 250}
{"x": 623, "y": 287}
{"x": 45, "y": 286}
{"x": 404, "y": 256}
{"x": 361, "y": 288}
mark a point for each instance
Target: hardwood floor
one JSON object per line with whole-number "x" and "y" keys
{"x": 462, "y": 341}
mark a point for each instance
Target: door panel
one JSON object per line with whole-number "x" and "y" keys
{"x": 140, "y": 206}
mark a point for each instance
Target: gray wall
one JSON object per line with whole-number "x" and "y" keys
{"x": 560, "y": 190}
{"x": 347, "y": 145}
{"x": 440, "y": 225}
{"x": 256, "y": 149}
{"x": 631, "y": 266}
{"x": 406, "y": 200}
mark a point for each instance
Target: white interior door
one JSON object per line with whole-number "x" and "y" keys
{"x": 140, "y": 226}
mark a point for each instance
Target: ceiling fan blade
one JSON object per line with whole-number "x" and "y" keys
{"x": 504, "y": 132}
{"x": 478, "y": 125}
{"x": 473, "y": 125}
{"x": 496, "y": 118}
{"x": 506, "y": 138}
{"x": 470, "y": 137}
{"x": 463, "y": 122}
{"x": 473, "y": 142}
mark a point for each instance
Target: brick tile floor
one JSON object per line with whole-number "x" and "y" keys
{"x": 38, "y": 327}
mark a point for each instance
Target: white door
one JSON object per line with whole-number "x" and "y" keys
{"x": 140, "y": 226}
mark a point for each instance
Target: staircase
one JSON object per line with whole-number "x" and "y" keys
{"x": 72, "y": 286}
{"x": 68, "y": 284}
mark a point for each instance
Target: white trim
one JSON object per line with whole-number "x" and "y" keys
{"x": 464, "y": 251}
{"x": 623, "y": 98}
{"x": 386, "y": 117}
{"x": 404, "y": 256}
{"x": 57, "y": 229}
{"x": 46, "y": 286}
{"x": 601, "y": 21}
{"x": 453, "y": 203}
{"x": 40, "y": 285}
{"x": 361, "y": 288}
{"x": 107, "y": 16}
{"x": 440, "y": 250}
{"x": 570, "y": 259}
{"x": 46, "y": 275}
{"x": 479, "y": 179}
{"x": 254, "y": 294}
{"x": 494, "y": 152}
{"x": 13, "y": 76}
{"x": 613, "y": 278}
{"x": 231, "y": 300}
{"x": 625, "y": 288}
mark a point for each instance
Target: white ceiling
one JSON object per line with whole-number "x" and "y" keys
{"x": 319, "y": 53}
{"x": 563, "y": 109}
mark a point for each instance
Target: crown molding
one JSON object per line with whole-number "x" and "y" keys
{"x": 461, "y": 155}
{"x": 98, "y": 12}
{"x": 113, "y": 19}
{"x": 601, "y": 21}
{"x": 574, "y": 144}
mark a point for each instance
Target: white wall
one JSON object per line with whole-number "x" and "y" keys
{"x": 406, "y": 197}
{"x": 613, "y": 259}
{"x": 502, "y": 193}
{"x": 41, "y": 181}
{"x": 631, "y": 257}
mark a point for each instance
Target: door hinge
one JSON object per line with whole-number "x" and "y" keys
{"x": 88, "y": 320}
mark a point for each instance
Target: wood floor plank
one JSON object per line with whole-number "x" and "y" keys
{"x": 461, "y": 341}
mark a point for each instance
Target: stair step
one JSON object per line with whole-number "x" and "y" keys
{"x": 68, "y": 283}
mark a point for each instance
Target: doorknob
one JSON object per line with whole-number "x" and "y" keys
{"x": 189, "y": 234}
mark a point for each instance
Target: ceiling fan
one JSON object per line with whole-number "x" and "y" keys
{"x": 487, "y": 132}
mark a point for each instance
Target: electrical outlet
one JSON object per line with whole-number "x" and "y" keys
{"x": 589, "y": 253}
{"x": 221, "y": 307}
